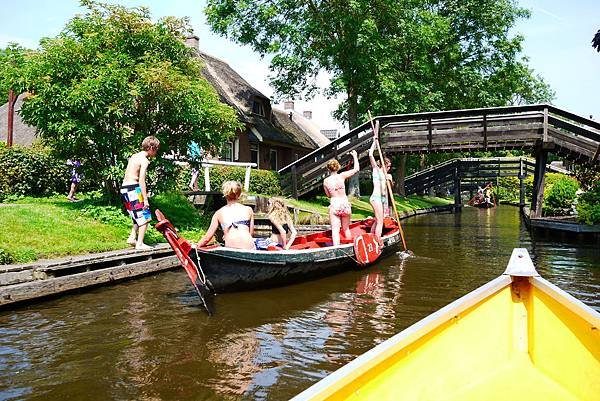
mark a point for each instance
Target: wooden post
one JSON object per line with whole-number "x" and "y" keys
{"x": 206, "y": 178}
{"x": 294, "y": 182}
{"x": 247, "y": 179}
{"x": 545, "y": 128}
{"x": 12, "y": 99}
{"x": 541, "y": 158}
{"x": 521, "y": 183}
{"x": 485, "y": 140}
{"x": 429, "y": 133}
{"x": 457, "y": 201}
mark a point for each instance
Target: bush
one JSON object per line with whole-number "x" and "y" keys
{"x": 265, "y": 182}
{"x": 559, "y": 198}
{"x": 31, "y": 171}
{"x": 5, "y": 257}
{"x": 508, "y": 189}
{"x": 588, "y": 207}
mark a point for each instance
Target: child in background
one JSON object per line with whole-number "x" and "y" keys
{"x": 76, "y": 177}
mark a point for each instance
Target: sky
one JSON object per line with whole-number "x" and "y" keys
{"x": 557, "y": 43}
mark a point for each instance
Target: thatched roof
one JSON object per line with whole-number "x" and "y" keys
{"x": 23, "y": 134}
{"x": 276, "y": 126}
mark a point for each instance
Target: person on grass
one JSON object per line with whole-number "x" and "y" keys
{"x": 134, "y": 194}
{"x": 75, "y": 179}
{"x": 340, "y": 210}
{"x": 236, "y": 220}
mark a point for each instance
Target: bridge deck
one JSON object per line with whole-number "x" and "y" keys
{"x": 520, "y": 127}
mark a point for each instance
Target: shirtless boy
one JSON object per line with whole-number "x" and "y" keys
{"x": 134, "y": 194}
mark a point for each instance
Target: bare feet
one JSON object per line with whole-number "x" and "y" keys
{"x": 131, "y": 241}
{"x": 143, "y": 247}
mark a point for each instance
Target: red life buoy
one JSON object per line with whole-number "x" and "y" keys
{"x": 367, "y": 248}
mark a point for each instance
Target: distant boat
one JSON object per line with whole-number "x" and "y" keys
{"x": 517, "y": 337}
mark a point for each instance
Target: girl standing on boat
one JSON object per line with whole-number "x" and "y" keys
{"x": 281, "y": 223}
{"x": 236, "y": 220}
{"x": 339, "y": 208}
{"x": 379, "y": 198}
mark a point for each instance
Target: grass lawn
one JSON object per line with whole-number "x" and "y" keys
{"x": 35, "y": 228}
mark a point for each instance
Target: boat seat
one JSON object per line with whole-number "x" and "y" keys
{"x": 307, "y": 245}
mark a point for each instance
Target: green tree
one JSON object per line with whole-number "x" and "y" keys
{"x": 112, "y": 77}
{"x": 12, "y": 60}
{"x": 390, "y": 56}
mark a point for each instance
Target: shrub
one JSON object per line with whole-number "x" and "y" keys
{"x": 5, "y": 257}
{"x": 508, "y": 188}
{"x": 559, "y": 198}
{"x": 31, "y": 171}
{"x": 264, "y": 182}
{"x": 588, "y": 207}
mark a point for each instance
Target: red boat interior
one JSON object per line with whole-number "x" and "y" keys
{"x": 319, "y": 239}
{"x": 323, "y": 238}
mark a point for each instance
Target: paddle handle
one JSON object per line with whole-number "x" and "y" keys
{"x": 388, "y": 184}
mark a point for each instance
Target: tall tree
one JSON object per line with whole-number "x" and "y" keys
{"x": 112, "y": 77}
{"x": 596, "y": 41}
{"x": 389, "y": 56}
{"x": 12, "y": 59}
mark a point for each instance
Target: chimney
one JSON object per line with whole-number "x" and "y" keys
{"x": 307, "y": 114}
{"x": 288, "y": 105}
{"x": 193, "y": 42}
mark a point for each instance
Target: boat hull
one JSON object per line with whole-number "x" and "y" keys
{"x": 236, "y": 270}
{"x": 516, "y": 338}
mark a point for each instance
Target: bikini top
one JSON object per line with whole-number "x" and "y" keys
{"x": 336, "y": 186}
{"x": 274, "y": 229}
{"x": 234, "y": 224}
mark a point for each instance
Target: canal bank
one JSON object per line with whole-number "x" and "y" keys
{"x": 30, "y": 282}
{"x": 148, "y": 338}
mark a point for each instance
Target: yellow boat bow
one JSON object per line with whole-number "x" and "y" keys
{"x": 518, "y": 337}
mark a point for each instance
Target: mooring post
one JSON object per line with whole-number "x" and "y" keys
{"x": 457, "y": 202}
{"x": 541, "y": 158}
{"x": 521, "y": 184}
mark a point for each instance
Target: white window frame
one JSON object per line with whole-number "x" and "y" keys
{"x": 255, "y": 147}
{"x": 228, "y": 150}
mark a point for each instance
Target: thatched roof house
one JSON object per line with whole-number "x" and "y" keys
{"x": 271, "y": 137}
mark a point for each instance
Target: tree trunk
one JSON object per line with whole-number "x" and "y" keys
{"x": 400, "y": 174}
{"x": 353, "y": 184}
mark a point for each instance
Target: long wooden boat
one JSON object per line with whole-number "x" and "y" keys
{"x": 483, "y": 204}
{"x": 310, "y": 256}
{"x": 516, "y": 338}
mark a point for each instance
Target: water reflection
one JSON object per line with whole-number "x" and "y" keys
{"x": 148, "y": 339}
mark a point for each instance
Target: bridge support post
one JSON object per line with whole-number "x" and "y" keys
{"x": 457, "y": 201}
{"x": 521, "y": 183}
{"x": 539, "y": 177}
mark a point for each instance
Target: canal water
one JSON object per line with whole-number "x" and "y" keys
{"x": 148, "y": 339}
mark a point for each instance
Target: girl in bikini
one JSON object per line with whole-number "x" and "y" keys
{"x": 379, "y": 198}
{"x": 236, "y": 220}
{"x": 340, "y": 210}
{"x": 281, "y": 225}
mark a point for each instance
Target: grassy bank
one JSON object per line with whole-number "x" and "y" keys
{"x": 36, "y": 228}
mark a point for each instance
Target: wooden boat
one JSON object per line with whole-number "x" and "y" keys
{"x": 516, "y": 338}
{"x": 221, "y": 269}
{"x": 483, "y": 204}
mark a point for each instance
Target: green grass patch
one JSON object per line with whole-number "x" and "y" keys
{"x": 34, "y": 228}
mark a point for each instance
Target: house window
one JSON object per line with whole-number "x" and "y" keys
{"x": 273, "y": 159}
{"x": 227, "y": 153}
{"x": 258, "y": 108}
{"x": 254, "y": 153}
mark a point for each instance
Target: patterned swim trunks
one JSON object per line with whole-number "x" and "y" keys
{"x": 134, "y": 204}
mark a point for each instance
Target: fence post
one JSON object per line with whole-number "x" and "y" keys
{"x": 206, "y": 178}
{"x": 247, "y": 179}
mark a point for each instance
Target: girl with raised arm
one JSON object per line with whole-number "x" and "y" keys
{"x": 340, "y": 210}
{"x": 379, "y": 197}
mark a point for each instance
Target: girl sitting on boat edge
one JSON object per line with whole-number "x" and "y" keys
{"x": 236, "y": 220}
{"x": 281, "y": 225}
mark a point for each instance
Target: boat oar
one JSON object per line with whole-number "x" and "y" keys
{"x": 406, "y": 252}
{"x": 182, "y": 248}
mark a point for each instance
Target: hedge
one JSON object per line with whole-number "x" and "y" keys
{"x": 32, "y": 172}
{"x": 588, "y": 207}
{"x": 559, "y": 198}
{"x": 264, "y": 182}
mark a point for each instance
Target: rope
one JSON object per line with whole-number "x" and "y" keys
{"x": 199, "y": 269}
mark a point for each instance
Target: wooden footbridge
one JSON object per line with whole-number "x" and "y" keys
{"x": 466, "y": 174}
{"x": 542, "y": 128}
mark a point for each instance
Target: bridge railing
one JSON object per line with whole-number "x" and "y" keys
{"x": 451, "y": 131}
